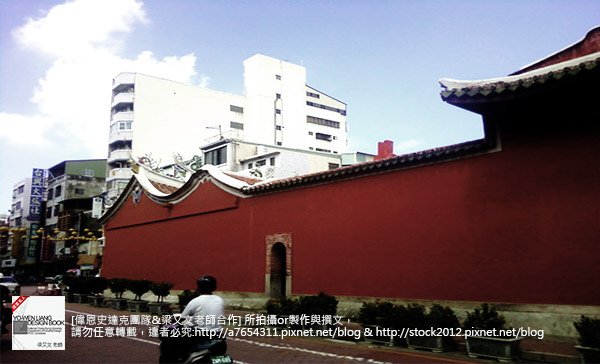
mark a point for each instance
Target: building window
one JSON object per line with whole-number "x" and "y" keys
{"x": 20, "y": 190}
{"x": 321, "y": 121}
{"x": 58, "y": 191}
{"x": 79, "y": 191}
{"x": 236, "y": 109}
{"x": 310, "y": 133}
{"x": 325, "y": 137}
{"x": 250, "y": 165}
{"x": 323, "y": 150}
{"x": 277, "y": 127}
{"x": 88, "y": 172}
{"x": 18, "y": 205}
{"x": 312, "y": 94}
{"x": 120, "y": 126}
{"x": 261, "y": 163}
{"x": 333, "y": 165}
{"x": 277, "y": 111}
{"x": 216, "y": 156}
{"x": 325, "y": 107}
{"x": 278, "y": 143}
{"x": 50, "y": 194}
{"x": 278, "y": 77}
{"x": 272, "y": 161}
{"x": 235, "y": 125}
{"x": 56, "y": 210}
{"x": 49, "y": 212}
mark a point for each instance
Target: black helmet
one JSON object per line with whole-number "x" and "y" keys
{"x": 206, "y": 284}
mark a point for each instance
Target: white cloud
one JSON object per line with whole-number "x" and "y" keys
{"x": 24, "y": 130}
{"x": 73, "y": 98}
{"x": 79, "y": 26}
{"x": 179, "y": 69}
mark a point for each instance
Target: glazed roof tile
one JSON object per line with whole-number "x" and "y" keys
{"x": 248, "y": 180}
{"x": 373, "y": 167}
{"x": 243, "y": 186}
{"x": 164, "y": 188}
{"x": 504, "y": 85}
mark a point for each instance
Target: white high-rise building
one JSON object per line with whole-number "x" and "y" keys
{"x": 20, "y": 203}
{"x": 158, "y": 118}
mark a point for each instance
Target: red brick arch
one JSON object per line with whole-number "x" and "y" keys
{"x": 271, "y": 240}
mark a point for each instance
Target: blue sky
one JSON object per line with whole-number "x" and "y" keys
{"x": 383, "y": 58}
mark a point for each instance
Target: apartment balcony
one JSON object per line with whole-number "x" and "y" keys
{"x": 119, "y": 173}
{"x": 123, "y": 98}
{"x": 53, "y": 182}
{"x": 123, "y": 81}
{"x": 119, "y": 155}
{"x": 121, "y": 116}
{"x": 121, "y": 135}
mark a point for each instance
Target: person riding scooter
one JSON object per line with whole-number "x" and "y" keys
{"x": 201, "y": 316}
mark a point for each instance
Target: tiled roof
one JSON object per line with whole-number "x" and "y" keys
{"x": 373, "y": 167}
{"x": 454, "y": 89}
{"x": 588, "y": 45}
{"x": 164, "y": 188}
{"x": 247, "y": 180}
{"x": 244, "y": 187}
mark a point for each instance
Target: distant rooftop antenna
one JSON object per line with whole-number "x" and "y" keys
{"x": 217, "y": 127}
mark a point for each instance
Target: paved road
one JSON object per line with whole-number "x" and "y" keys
{"x": 140, "y": 348}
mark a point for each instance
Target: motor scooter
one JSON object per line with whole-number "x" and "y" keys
{"x": 177, "y": 349}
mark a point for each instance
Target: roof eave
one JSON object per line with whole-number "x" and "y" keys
{"x": 475, "y": 95}
{"x": 412, "y": 160}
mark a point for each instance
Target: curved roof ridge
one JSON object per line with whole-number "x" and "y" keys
{"x": 450, "y": 84}
{"x": 242, "y": 189}
{"x": 143, "y": 178}
{"x": 146, "y": 184}
{"x": 226, "y": 179}
{"x": 590, "y": 39}
{"x": 206, "y": 172}
{"x": 455, "y": 90}
{"x": 148, "y": 180}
